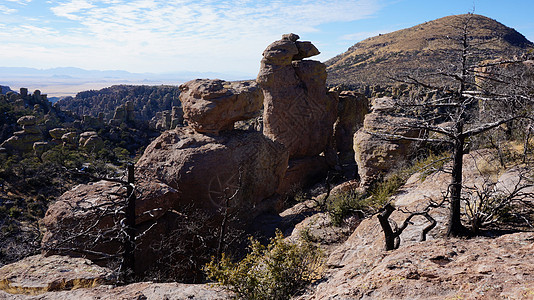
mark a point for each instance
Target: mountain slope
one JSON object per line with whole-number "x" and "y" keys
{"x": 423, "y": 48}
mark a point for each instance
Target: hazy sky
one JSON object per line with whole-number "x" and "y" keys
{"x": 220, "y": 36}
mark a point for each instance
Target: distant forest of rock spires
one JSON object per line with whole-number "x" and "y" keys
{"x": 423, "y": 48}
{"x": 147, "y": 100}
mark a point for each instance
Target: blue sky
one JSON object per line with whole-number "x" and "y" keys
{"x": 210, "y": 36}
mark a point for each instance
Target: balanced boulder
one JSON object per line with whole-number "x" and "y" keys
{"x": 210, "y": 106}
{"x": 298, "y": 111}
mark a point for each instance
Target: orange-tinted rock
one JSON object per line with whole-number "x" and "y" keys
{"x": 38, "y": 274}
{"x": 206, "y": 170}
{"x": 210, "y": 106}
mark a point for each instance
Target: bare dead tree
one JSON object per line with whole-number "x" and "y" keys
{"x": 453, "y": 117}
{"x": 392, "y": 234}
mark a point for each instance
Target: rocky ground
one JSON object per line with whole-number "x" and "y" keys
{"x": 490, "y": 267}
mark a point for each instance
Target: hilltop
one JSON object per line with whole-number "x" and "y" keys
{"x": 423, "y": 48}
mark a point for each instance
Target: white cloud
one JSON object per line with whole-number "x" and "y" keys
{"x": 21, "y": 2}
{"x": 206, "y": 35}
{"x": 6, "y": 10}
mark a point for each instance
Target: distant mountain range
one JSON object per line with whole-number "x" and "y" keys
{"x": 423, "y": 48}
{"x": 68, "y": 81}
{"x": 77, "y": 73}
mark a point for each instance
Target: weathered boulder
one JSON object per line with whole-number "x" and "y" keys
{"x": 38, "y": 274}
{"x": 69, "y": 139}
{"x": 376, "y": 154}
{"x": 208, "y": 170}
{"x": 57, "y": 133}
{"x": 298, "y": 112}
{"x": 86, "y": 219}
{"x": 27, "y": 120}
{"x": 210, "y": 106}
{"x": 91, "y": 141}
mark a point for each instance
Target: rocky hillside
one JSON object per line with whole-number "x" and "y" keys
{"x": 423, "y": 48}
{"x": 147, "y": 100}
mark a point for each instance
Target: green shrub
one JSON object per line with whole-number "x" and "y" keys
{"x": 343, "y": 205}
{"x": 384, "y": 189}
{"x": 279, "y": 270}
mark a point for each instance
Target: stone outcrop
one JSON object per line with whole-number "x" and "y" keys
{"x": 123, "y": 113}
{"x": 140, "y": 290}
{"x": 298, "y": 111}
{"x": 69, "y": 139}
{"x": 22, "y": 141}
{"x": 376, "y": 155}
{"x": 188, "y": 179}
{"x": 38, "y": 274}
{"x": 439, "y": 268}
{"x": 91, "y": 141}
{"x": 90, "y": 208}
{"x": 211, "y": 106}
{"x": 66, "y": 278}
{"x": 57, "y": 133}
{"x": 207, "y": 170}
{"x": 167, "y": 119}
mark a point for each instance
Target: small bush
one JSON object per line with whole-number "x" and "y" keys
{"x": 279, "y": 270}
{"x": 343, "y": 205}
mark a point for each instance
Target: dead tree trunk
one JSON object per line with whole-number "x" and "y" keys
{"x": 455, "y": 227}
{"x": 128, "y": 263}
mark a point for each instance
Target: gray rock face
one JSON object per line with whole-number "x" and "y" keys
{"x": 298, "y": 112}
{"x": 211, "y": 106}
{"x": 91, "y": 141}
{"x": 352, "y": 109}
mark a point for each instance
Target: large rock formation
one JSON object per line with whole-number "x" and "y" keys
{"x": 375, "y": 154}
{"x": 91, "y": 141}
{"x": 66, "y": 278}
{"x": 188, "y": 180}
{"x": 477, "y": 268}
{"x": 213, "y": 105}
{"x": 298, "y": 112}
{"x": 123, "y": 113}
